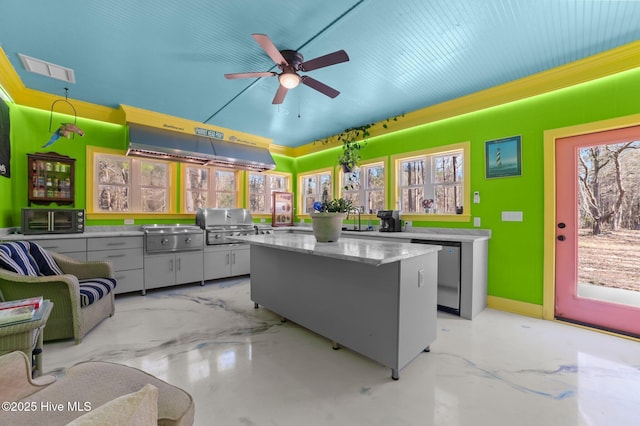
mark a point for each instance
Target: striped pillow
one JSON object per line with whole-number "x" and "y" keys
{"x": 6, "y": 262}
{"x": 44, "y": 261}
{"x": 23, "y": 263}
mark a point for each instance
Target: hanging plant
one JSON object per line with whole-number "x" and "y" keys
{"x": 353, "y": 140}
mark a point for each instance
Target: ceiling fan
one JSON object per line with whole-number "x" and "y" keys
{"x": 290, "y": 62}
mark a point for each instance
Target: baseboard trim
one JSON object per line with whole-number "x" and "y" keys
{"x": 514, "y": 306}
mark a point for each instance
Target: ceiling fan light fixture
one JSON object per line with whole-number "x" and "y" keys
{"x": 289, "y": 80}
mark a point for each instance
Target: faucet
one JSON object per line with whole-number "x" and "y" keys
{"x": 357, "y": 210}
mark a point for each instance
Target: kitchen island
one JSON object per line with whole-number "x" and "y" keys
{"x": 377, "y": 298}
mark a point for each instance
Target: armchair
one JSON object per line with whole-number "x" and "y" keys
{"x": 81, "y": 292}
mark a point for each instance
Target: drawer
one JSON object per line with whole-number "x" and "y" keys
{"x": 78, "y": 255}
{"x": 122, "y": 260}
{"x": 111, "y": 243}
{"x": 129, "y": 281}
{"x": 64, "y": 245}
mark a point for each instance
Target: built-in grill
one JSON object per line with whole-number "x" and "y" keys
{"x": 220, "y": 224}
{"x": 172, "y": 238}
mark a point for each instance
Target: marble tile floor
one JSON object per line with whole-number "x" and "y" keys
{"x": 244, "y": 367}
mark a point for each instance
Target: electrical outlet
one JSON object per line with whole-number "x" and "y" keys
{"x": 262, "y": 220}
{"x": 476, "y": 221}
{"x": 407, "y": 223}
{"x": 128, "y": 221}
{"x": 476, "y": 197}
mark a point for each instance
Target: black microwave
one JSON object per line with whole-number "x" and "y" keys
{"x": 52, "y": 221}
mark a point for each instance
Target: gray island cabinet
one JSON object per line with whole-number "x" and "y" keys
{"x": 377, "y": 298}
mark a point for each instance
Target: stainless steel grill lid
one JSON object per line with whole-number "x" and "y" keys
{"x": 206, "y": 218}
{"x": 170, "y": 238}
{"x": 219, "y": 224}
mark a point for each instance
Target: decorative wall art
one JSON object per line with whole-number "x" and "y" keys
{"x": 282, "y": 209}
{"x": 503, "y": 157}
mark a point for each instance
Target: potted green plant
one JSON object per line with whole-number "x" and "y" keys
{"x": 327, "y": 218}
{"x": 353, "y": 140}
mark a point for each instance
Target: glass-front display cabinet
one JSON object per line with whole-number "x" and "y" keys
{"x": 51, "y": 179}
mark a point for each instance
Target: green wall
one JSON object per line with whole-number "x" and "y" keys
{"x": 30, "y": 131}
{"x": 515, "y": 248}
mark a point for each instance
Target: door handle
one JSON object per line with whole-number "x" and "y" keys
{"x": 562, "y": 225}
{"x": 561, "y": 238}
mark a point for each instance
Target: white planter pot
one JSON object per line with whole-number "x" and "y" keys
{"x": 327, "y": 226}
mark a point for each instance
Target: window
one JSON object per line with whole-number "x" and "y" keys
{"x": 209, "y": 187}
{"x": 311, "y": 188}
{"x": 432, "y": 181}
{"x": 124, "y": 184}
{"x": 365, "y": 187}
{"x": 261, "y": 185}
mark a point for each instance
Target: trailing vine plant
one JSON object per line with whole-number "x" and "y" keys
{"x": 353, "y": 140}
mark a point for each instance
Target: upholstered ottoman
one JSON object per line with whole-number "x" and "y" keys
{"x": 85, "y": 385}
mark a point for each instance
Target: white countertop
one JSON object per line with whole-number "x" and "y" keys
{"x": 436, "y": 234}
{"x": 90, "y": 234}
{"x": 374, "y": 252}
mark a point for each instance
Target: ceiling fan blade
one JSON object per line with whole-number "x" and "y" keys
{"x": 249, "y": 75}
{"x": 267, "y": 45}
{"x": 320, "y": 87}
{"x": 280, "y": 94}
{"x": 324, "y": 61}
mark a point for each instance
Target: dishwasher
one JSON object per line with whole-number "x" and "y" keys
{"x": 448, "y": 274}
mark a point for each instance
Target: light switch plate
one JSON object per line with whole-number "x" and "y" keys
{"x": 512, "y": 216}
{"x": 476, "y": 221}
{"x": 476, "y": 197}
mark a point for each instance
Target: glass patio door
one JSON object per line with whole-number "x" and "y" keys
{"x": 597, "y": 281}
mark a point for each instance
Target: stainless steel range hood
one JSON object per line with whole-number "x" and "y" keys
{"x": 151, "y": 142}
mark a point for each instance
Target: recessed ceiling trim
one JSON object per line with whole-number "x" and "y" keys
{"x": 47, "y": 69}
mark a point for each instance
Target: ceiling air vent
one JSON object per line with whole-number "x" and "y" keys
{"x": 47, "y": 69}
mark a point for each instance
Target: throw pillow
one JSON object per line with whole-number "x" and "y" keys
{"x": 23, "y": 263}
{"x": 44, "y": 261}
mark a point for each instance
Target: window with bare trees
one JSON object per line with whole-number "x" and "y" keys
{"x": 431, "y": 182}
{"x": 609, "y": 182}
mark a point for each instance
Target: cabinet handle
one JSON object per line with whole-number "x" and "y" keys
{"x": 227, "y": 258}
{"x": 116, "y": 255}
{"x": 234, "y": 258}
{"x": 171, "y": 265}
{"x": 118, "y": 243}
{"x": 179, "y": 263}
{"x": 120, "y": 277}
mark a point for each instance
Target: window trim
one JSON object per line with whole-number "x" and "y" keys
{"x": 466, "y": 183}
{"x": 385, "y": 161}
{"x": 210, "y": 189}
{"x": 300, "y": 213}
{"x": 247, "y": 197}
{"x": 92, "y": 214}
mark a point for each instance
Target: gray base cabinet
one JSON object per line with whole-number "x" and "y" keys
{"x": 75, "y": 248}
{"x": 226, "y": 261}
{"x": 126, "y": 254}
{"x": 162, "y": 270}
